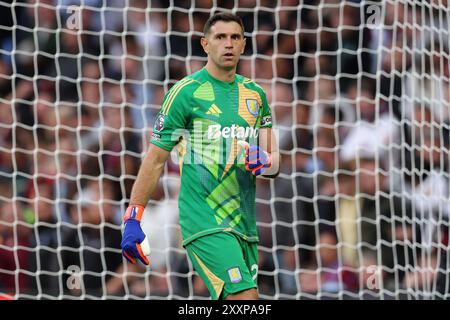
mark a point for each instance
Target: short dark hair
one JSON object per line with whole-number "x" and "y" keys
{"x": 222, "y": 16}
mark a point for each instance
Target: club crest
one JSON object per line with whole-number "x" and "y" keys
{"x": 252, "y": 106}
{"x": 235, "y": 275}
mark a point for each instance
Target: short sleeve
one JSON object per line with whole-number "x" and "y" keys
{"x": 171, "y": 120}
{"x": 266, "y": 114}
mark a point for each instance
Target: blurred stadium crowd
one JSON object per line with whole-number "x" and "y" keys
{"x": 362, "y": 113}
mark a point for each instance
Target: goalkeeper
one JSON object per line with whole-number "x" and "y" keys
{"x": 221, "y": 123}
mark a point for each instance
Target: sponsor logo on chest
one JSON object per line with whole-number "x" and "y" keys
{"x": 215, "y": 131}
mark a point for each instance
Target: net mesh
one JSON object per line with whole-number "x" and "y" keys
{"x": 359, "y": 92}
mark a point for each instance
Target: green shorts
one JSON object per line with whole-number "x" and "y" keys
{"x": 226, "y": 263}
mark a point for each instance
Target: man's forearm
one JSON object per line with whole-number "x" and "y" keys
{"x": 148, "y": 176}
{"x": 268, "y": 142}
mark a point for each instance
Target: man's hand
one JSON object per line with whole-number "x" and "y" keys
{"x": 134, "y": 241}
{"x": 256, "y": 159}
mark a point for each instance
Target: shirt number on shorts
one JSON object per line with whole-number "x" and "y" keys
{"x": 254, "y": 272}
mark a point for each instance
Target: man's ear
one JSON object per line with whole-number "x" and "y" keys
{"x": 204, "y": 42}
{"x": 243, "y": 47}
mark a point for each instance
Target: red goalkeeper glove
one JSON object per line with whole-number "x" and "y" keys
{"x": 257, "y": 161}
{"x": 134, "y": 241}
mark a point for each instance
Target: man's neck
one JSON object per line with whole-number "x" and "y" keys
{"x": 220, "y": 74}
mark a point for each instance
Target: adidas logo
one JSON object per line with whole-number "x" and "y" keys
{"x": 214, "y": 110}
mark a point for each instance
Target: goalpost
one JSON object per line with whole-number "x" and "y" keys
{"x": 360, "y": 96}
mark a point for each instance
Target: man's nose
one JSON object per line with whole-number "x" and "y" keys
{"x": 228, "y": 42}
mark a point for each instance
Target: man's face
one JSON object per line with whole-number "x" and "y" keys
{"x": 224, "y": 44}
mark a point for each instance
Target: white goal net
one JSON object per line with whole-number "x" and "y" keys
{"x": 360, "y": 96}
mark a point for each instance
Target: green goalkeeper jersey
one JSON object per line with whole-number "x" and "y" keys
{"x": 206, "y": 118}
